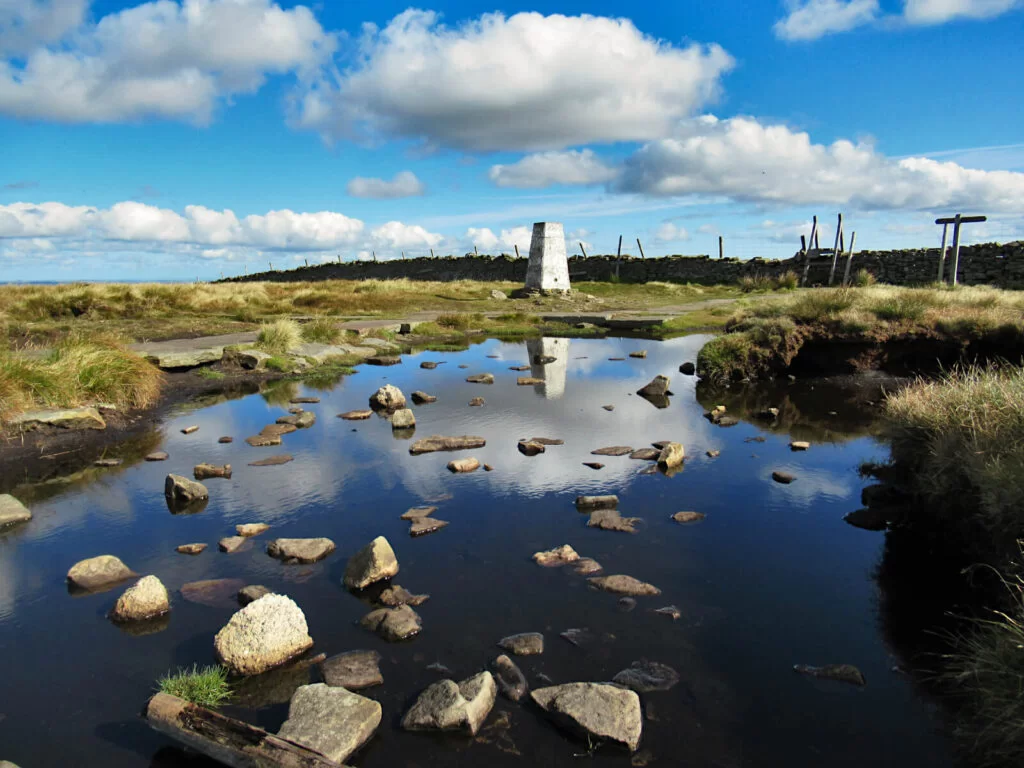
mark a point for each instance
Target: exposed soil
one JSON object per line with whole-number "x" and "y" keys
{"x": 42, "y": 454}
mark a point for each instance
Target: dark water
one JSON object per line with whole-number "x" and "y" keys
{"x": 772, "y": 577}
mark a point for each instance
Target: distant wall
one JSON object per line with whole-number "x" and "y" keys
{"x": 988, "y": 263}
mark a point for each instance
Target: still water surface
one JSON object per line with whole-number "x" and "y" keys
{"x": 772, "y": 576}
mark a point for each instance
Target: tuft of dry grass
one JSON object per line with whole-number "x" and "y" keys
{"x": 321, "y": 330}
{"x": 279, "y": 336}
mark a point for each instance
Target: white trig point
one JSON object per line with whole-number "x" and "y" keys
{"x": 548, "y": 269}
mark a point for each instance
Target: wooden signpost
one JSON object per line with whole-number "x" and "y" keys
{"x": 956, "y": 221}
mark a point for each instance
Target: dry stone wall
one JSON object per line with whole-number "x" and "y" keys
{"x": 996, "y": 264}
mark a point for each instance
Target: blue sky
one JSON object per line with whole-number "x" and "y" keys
{"x": 175, "y": 140}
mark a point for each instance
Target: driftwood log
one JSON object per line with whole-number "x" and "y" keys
{"x": 227, "y": 740}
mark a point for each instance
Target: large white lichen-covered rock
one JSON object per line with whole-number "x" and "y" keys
{"x": 99, "y": 572}
{"x": 387, "y": 398}
{"x": 263, "y": 635}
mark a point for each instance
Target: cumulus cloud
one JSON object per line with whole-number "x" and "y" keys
{"x": 940, "y": 11}
{"x": 487, "y": 241}
{"x": 404, "y": 184}
{"x": 131, "y": 221}
{"x": 670, "y": 233}
{"x": 546, "y": 168}
{"x": 527, "y": 82}
{"x": 395, "y": 234}
{"x": 811, "y": 19}
{"x": 158, "y": 59}
{"x": 750, "y": 161}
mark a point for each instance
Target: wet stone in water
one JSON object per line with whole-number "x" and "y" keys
{"x": 273, "y": 461}
{"x": 645, "y": 454}
{"x": 395, "y": 596}
{"x": 843, "y": 673}
{"x": 624, "y": 585}
{"x": 463, "y": 465}
{"x": 251, "y": 529}
{"x": 226, "y": 439}
{"x": 523, "y": 644}
{"x": 554, "y": 558}
{"x": 424, "y": 525}
{"x": 530, "y": 448}
{"x": 393, "y": 624}
{"x": 510, "y": 679}
{"x": 300, "y": 550}
{"x": 355, "y": 415}
{"x": 157, "y": 456}
{"x": 422, "y": 397}
{"x": 611, "y": 520}
{"x": 597, "y": 502}
{"x": 783, "y": 477}
{"x": 688, "y": 517}
{"x": 416, "y": 512}
{"x": 354, "y": 670}
{"x": 613, "y": 450}
{"x": 212, "y": 592}
{"x": 476, "y": 402}
{"x": 190, "y": 549}
{"x": 626, "y": 604}
{"x": 669, "y": 610}
{"x": 646, "y": 676}
{"x": 585, "y": 566}
{"x": 231, "y": 544}
{"x": 593, "y": 464}
{"x": 251, "y": 593}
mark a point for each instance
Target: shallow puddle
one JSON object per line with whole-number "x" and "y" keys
{"x": 771, "y": 577}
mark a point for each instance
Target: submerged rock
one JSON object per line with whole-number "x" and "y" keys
{"x": 300, "y": 550}
{"x": 387, "y": 398}
{"x": 645, "y": 454}
{"x": 528, "y": 381}
{"x": 688, "y": 517}
{"x": 611, "y": 520}
{"x": 251, "y": 594}
{"x": 355, "y": 415}
{"x": 226, "y": 439}
{"x": 374, "y": 562}
{"x": 416, "y": 512}
{"x": 157, "y": 456}
{"x": 190, "y": 549}
{"x": 181, "y": 490}
{"x": 712, "y": 454}
{"x": 393, "y": 624}
{"x": 870, "y": 519}
{"x": 597, "y": 502}
{"x": 441, "y": 443}
{"x": 421, "y": 398}
{"x": 554, "y": 558}
{"x": 263, "y": 635}
{"x": 608, "y": 407}
{"x": 657, "y": 387}
{"x": 263, "y": 441}
{"x": 99, "y": 572}
{"x": 12, "y": 511}
{"x": 843, "y": 673}
{"x": 447, "y": 706}
{"x": 481, "y": 378}
{"x": 585, "y": 566}
{"x": 212, "y": 592}
{"x": 510, "y": 679}
{"x": 428, "y": 365}
{"x": 277, "y": 430}
{"x": 623, "y": 585}
{"x": 640, "y": 353}
{"x": 477, "y": 402}
{"x": 353, "y": 670}
{"x": 144, "y": 600}
{"x": 594, "y": 710}
{"x": 395, "y": 596}
{"x": 424, "y": 525}
{"x": 783, "y": 477}
{"x": 273, "y": 461}
{"x": 669, "y": 610}
{"x": 204, "y": 471}
{"x": 463, "y": 465}
{"x": 333, "y": 721}
{"x": 384, "y": 360}
{"x": 613, "y": 450}
{"x": 523, "y": 644}
{"x": 530, "y": 448}
{"x": 302, "y": 420}
{"x": 646, "y": 676}
{"x": 403, "y": 418}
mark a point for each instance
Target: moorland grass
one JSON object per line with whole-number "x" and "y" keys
{"x": 279, "y": 336}
{"x": 207, "y": 687}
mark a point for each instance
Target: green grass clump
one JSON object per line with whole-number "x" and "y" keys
{"x": 210, "y": 374}
{"x": 863, "y": 279}
{"x": 460, "y": 321}
{"x": 905, "y": 305}
{"x": 279, "y": 336}
{"x": 279, "y": 364}
{"x": 821, "y": 304}
{"x": 207, "y": 687}
{"x": 321, "y": 331}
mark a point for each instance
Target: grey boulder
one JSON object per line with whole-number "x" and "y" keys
{"x": 393, "y": 624}
{"x": 450, "y": 706}
{"x": 374, "y": 562}
{"x": 333, "y": 721}
{"x": 12, "y": 511}
{"x": 597, "y": 710}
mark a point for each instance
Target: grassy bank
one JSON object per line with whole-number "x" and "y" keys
{"x": 766, "y": 337}
{"x": 958, "y": 454}
{"x": 41, "y": 315}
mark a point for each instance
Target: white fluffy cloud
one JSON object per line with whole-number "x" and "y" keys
{"x": 404, "y": 184}
{"x": 395, "y": 234}
{"x": 749, "y": 161}
{"x": 670, "y": 233}
{"x": 546, "y": 168}
{"x": 811, "y": 19}
{"x": 137, "y": 222}
{"x": 528, "y": 82}
{"x": 506, "y": 242}
{"x": 940, "y": 11}
{"x": 158, "y": 59}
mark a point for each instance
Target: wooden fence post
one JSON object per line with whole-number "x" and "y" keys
{"x": 640, "y": 247}
{"x": 721, "y": 247}
{"x": 849, "y": 258}
{"x": 584, "y": 252}
{"x": 807, "y": 253}
{"x": 618, "y": 257}
{"x": 956, "y": 247}
{"x": 942, "y": 254}
{"x": 514, "y": 245}
{"x": 431, "y": 253}
{"x": 835, "y": 250}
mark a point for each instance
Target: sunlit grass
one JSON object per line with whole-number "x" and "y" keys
{"x": 207, "y": 687}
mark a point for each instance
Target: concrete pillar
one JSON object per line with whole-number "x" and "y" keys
{"x": 548, "y": 269}
{"x": 554, "y": 374}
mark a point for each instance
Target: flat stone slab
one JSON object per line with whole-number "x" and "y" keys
{"x": 523, "y": 644}
{"x": 66, "y": 418}
{"x": 353, "y": 670}
{"x": 12, "y": 511}
{"x": 442, "y": 443}
{"x": 212, "y": 592}
{"x": 646, "y": 676}
{"x": 273, "y": 461}
{"x": 321, "y": 353}
{"x": 623, "y": 585}
{"x": 96, "y": 573}
{"x": 596, "y": 710}
{"x": 355, "y": 415}
{"x": 331, "y": 720}
{"x": 613, "y": 450}
{"x": 300, "y": 550}
{"x": 182, "y": 353}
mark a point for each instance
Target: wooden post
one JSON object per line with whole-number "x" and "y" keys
{"x": 849, "y": 259}
{"x": 835, "y": 250}
{"x": 583, "y": 251}
{"x": 226, "y": 740}
{"x": 618, "y": 257}
{"x": 431, "y": 253}
{"x": 956, "y": 246}
{"x": 374, "y": 254}
{"x": 803, "y": 243}
{"x": 475, "y": 251}
{"x": 721, "y": 247}
{"x": 403, "y": 255}
{"x": 807, "y": 253}
{"x": 641, "y": 248}
{"x": 514, "y": 245}
{"x": 942, "y": 254}
{"x": 817, "y": 243}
